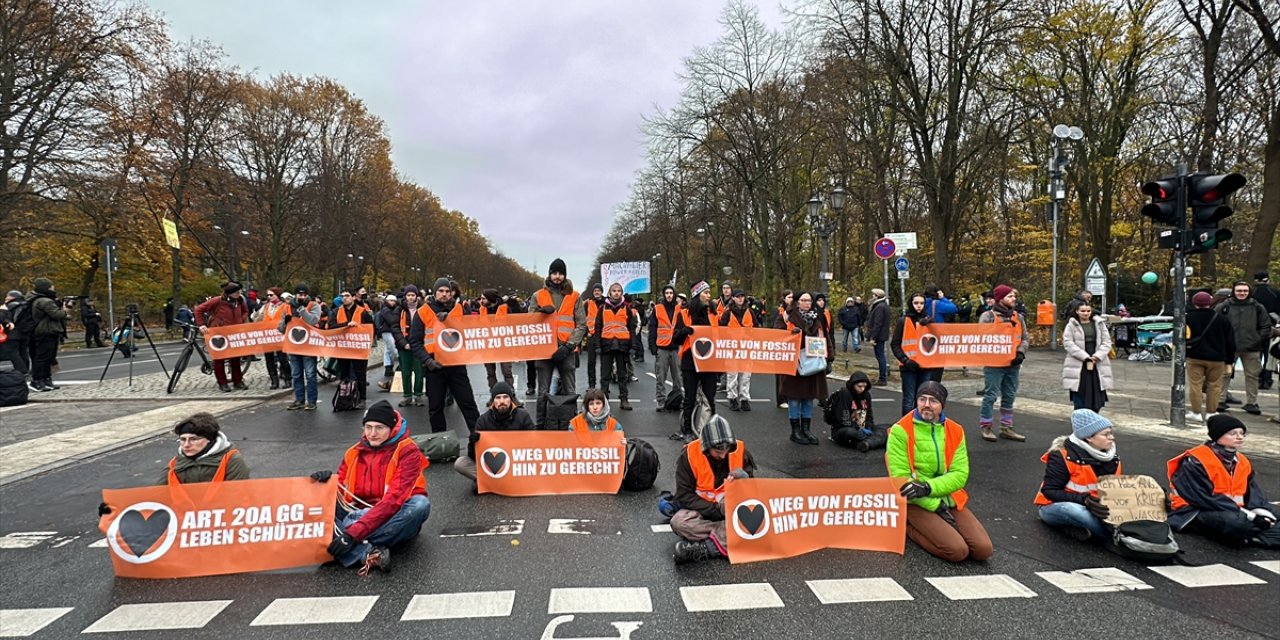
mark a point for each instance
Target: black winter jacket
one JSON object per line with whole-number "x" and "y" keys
{"x": 1056, "y": 475}
{"x": 1216, "y": 342}
{"x": 515, "y": 420}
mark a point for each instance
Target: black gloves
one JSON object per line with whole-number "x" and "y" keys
{"x": 917, "y": 489}
{"x": 1099, "y": 510}
{"x": 683, "y": 332}
{"x": 342, "y": 542}
{"x": 103, "y": 509}
{"x": 564, "y": 351}
{"x": 910, "y": 365}
{"x": 795, "y": 329}
{"x": 430, "y": 364}
{"x": 322, "y": 476}
{"x": 547, "y": 309}
{"x": 1018, "y": 358}
{"x": 653, "y": 351}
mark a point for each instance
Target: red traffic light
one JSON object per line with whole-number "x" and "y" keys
{"x": 1205, "y": 189}
{"x": 1161, "y": 189}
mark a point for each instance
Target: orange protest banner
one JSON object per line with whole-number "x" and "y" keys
{"x": 353, "y": 343}
{"x": 239, "y": 340}
{"x": 215, "y": 528}
{"x": 494, "y": 338}
{"x": 781, "y": 518}
{"x": 961, "y": 345}
{"x": 541, "y": 463}
{"x": 745, "y": 349}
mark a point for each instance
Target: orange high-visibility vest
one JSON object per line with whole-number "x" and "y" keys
{"x": 1083, "y": 478}
{"x": 1233, "y": 485}
{"x": 342, "y": 315}
{"x": 666, "y": 325}
{"x": 615, "y": 323}
{"x": 274, "y": 315}
{"x": 353, "y": 457}
{"x": 684, "y": 315}
{"x": 747, "y": 320}
{"x": 502, "y": 310}
{"x": 707, "y": 488}
{"x": 955, "y": 436}
{"x": 429, "y": 322}
{"x": 592, "y": 308}
{"x": 218, "y": 476}
{"x": 579, "y": 423}
{"x": 563, "y": 319}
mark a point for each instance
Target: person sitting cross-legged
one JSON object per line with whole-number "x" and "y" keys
{"x": 704, "y": 470}
{"x": 1068, "y": 497}
{"x": 503, "y": 415}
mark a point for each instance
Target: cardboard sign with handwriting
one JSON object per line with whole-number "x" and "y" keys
{"x": 745, "y": 349}
{"x": 1131, "y": 498}
{"x": 492, "y": 338}
{"x": 239, "y": 340}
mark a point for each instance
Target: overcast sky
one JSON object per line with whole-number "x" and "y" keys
{"x": 523, "y": 114}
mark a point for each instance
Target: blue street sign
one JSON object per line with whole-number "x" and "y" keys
{"x": 885, "y": 248}
{"x": 901, "y": 263}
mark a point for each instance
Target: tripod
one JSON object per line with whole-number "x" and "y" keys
{"x": 127, "y": 342}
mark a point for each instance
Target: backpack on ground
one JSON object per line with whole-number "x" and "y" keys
{"x": 702, "y": 413}
{"x": 829, "y": 413}
{"x": 560, "y": 412}
{"x": 675, "y": 401}
{"x": 642, "y": 465}
{"x": 1144, "y": 540}
{"x": 439, "y": 447}
{"x": 347, "y": 395}
{"x": 24, "y": 321}
{"x": 13, "y": 388}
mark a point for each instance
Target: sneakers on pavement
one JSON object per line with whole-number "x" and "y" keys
{"x": 377, "y": 558}
{"x": 1194, "y": 417}
{"x": 1009, "y": 434}
{"x": 988, "y": 434}
{"x": 295, "y": 406}
{"x": 311, "y": 406}
{"x": 1252, "y": 409}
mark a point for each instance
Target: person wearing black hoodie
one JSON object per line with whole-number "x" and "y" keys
{"x": 1211, "y": 349}
{"x": 439, "y": 378}
{"x": 852, "y": 418}
{"x": 697, "y": 314}
{"x": 615, "y": 324}
{"x": 503, "y": 415}
{"x": 350, "y": 314}
{"x": 913, "y": 375}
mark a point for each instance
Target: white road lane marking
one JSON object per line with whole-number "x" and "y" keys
{"x": 476, "y": 604}
{"x": 728, "y": 597}
{"x": 660, "y": 528}
{"x": 600, "y": 600}
{"x": 502, "y": 528}
{"x": 1100, "y": 580}
{"x": 1211, "y": 575}
{"x": 331, "y": 610}
{"x": 20, "y": 623}
{"x": 1270, "y": 565}
{"x": 101, "y": 544}
{"x": 858, "y": 590}
{"x": 980, "y": 587}
{"x": 25, "y": 539}
{"x": 159, "y": 615}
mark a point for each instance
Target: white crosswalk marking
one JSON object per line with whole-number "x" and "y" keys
{"x": 660, "y": 528}
{"x": 101, "y": 544}
{"x": 600, "y": 600}
{"x": 502, "y": 528}
{"x": 858, "y": 590}
{"x": 1270, "y": 565}
{"x": 1212, "y": 575}
{"x": 476, "y": 604}
{"x": 25, "y": 539}
{"x": 728, "y": 597}
{"x": 159, "y": 615}
{"x": 980, "y": 587}
{"x": 1099, "y": 580}
{"x": 332, "y": 610}
{"x": 20, "y": 623}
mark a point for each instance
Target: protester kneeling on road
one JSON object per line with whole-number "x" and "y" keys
{"x": 503, "y": 415}
{"x": 704, "y": 470}
{"x": 1068, "y": 497}
{"x": 1214, "y": 493}
{"x": 851, "y": 417}
{"x": 595, "y": 414}
{"x": 204, "y": 454}
{"x": 382, "y": 494}
{"x": 937, "y": 518}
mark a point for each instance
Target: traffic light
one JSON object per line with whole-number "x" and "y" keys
{"x": 1163, "y": 208}
{"x": 1207, "y": 196}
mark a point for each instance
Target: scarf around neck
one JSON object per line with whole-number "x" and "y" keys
{"x": 1100, "y": 456}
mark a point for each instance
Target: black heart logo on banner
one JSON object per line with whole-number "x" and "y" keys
{"x": 751, "y": 517}
{"x": 928, "y": 344}
{"x": 298, "y": 335}
{"x": 450, "y": 338}
{"x": 702, "y": 347}
{"x": 494, "y": 461}
{"x": 218, "y": 343}
{"x": 139, "y": 532}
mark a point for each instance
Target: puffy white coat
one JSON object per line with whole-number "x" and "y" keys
{"x": 1073, "y": 342}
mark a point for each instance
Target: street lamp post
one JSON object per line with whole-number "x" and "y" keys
{"x": 706, "y": 253}
{"x": 824, "y": 226}
{"x": 1057, "y": 192}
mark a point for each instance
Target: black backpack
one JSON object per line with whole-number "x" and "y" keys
{"x": 560, "y": 412}
{"x": 830, "y": 413}
{"x": 675, "y": 401}
{"x": 1145, "y": 541}
{"x": 346, "y": 395}
{"x": 642, "y": 466}
{"x": 24, "y": 320}
{"x": 13, "y": 388}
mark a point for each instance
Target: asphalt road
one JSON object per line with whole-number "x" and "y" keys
{"x": 82, "y": 366}
{"x": 527, "y": 579}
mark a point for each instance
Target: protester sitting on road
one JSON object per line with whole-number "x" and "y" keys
{"x": 854, "y": 420}
{"x": 929, "y": 449}
{"x": 595, "y": 414}
{"x": 204, "y": 454}
{"x": 704, "y": 470}
{"x": 503, "y": 415}
{"x": 1213, "y": 491}
{"x": 382, "y": 494}
{"x": 1068, "y": 497}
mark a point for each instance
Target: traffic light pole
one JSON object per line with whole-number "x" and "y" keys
{"x": 1178, "y": 391}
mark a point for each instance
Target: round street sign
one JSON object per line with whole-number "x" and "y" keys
{"x": 901, "y": 264}
{"x": 885, "y": 248}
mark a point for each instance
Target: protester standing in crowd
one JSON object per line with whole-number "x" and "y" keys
{"x": 1086, "y": 369}
{"x": 271, "y": 311}
{"x": 878, "y": 332}
{"x": 937, "y": 306}
{"x": 802, "y": 390}
{"x": 1002, "y": 382}
{"x": 664, "y": 347}
{"x": 738, "y": 383}
{"x": 50, "y": 316}
{"x": 696, "y": 314}
{"x": 493, "y": 304}
{"x": 784, "y": 305}
{"x": 559, "y": 302}
{"x": 441, "y": 379}
{"x": 1252, "y": 326}
{"x": 913, "y": 375}
{"x": 615, "y": 324}
{"x": 850, "y": 318}
{"x": 225, "y": 310}
{"x": 92, "y": 321}
{"x": 1269, "y": 297}
{"x": 590, "y": 310}
{"x": 388, "y": 316}
{"x": 311, "y": 313}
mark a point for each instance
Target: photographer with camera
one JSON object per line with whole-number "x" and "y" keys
{"x": 92, "y": 321}
{"x": 50, "y": 314}
{"x": 224, "y": 310}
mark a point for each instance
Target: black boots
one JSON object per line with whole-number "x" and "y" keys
{"x": 804, "y": 432}
{"x": 796, "y": 435}
{"x": 390, "y": 370}
{"x": 275, "y": 382}
{"x": 686, "y": 551}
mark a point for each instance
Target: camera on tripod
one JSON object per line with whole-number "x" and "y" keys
{"x": 68, "y": 301}
{"x": 131, "y": 309}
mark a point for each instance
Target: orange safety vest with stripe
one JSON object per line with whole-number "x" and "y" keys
{"x": 562, "y": 321}
{"x": 592, "y": 308}
{"x": 955, "y": 436}
{"x": 683, "y": 315}
{"x": 352, "y": 458}
{"x": 429, "y": 322}
{"x": 704, "y": 476}
{"x": 1233, "y": 485}
{"x": 1084, "y": 480}
{"x": 614, "y": 323}
{"x": 747, "y": 320}
{"x": 666, "y": 326}
{"x": 357, "y": 313}
{"x": 502, "y": 310}
{"x": 579, "y": 423}
{"x": 218, "y": 476}
{"x": 910, "y": 348}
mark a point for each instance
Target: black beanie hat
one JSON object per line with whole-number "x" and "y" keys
{"x": 441, "y": 283}
{"x": 500, "y": 388}
{"x": 382, "y": 413}
{"x": 934, "y": 389}
{"x": 409, "y": 288}
{"x": 230, "y": 287}
{"x": 1220, "y": 424}
{"x": 302, "y": 288}
{"x": 557, "y": 266}
{"x": 491, "y": 295}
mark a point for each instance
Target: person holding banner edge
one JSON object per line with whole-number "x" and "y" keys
{"x": 559, "y": 302}
{"x": 1002, "y": 382}
{"x": 426, "y": 327}
{"x": 504, "y": 414}
{"x": 928, "y": 449}
{"x": 913, "y": 375}
{"x": 310, "y": 312}
{"x": 351, "y": 313}
{"x": 696, "y": 314}
{"x": 224, "y": 310}
{"x": 382, "y": 492}
{"x": 704, "y": 470}
{"x": 738, "y": 383}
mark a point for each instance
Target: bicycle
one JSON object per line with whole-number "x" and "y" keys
{"x": 195, "y": 344}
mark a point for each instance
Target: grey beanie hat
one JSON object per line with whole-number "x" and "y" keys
{"x": 717, "y": 433}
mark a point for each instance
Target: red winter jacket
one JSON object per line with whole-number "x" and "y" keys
{"x": 220, "y": 312}
{"x": 369, "y": 483}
